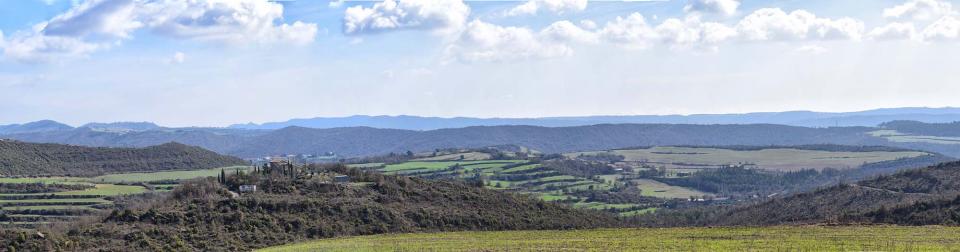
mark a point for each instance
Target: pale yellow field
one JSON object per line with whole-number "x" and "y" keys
{"x": 894, "y": 136}
{"x": 770, "y": 159}
{"x": 653, "y": 188}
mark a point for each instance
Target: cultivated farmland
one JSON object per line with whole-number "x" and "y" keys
{"x": 97, "y": 195}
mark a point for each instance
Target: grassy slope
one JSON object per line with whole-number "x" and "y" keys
{"x": 803, "y": 238}
{"x": 165, "y": 175}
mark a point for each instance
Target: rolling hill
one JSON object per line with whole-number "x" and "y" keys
{"x": 32, "y": 159}
{"x": 366, "y": 141}
{"x": 918, "y": 196}
{"x": 204, "y": 216}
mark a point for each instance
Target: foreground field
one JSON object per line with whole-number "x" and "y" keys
{"x": 808, "y": 238}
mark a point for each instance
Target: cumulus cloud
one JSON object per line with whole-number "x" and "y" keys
{"x": 720, "y": 7}
{"x": 437, "y": 15}
{"x": 229, "y": 21}
{"x": 34, "y": 46}
{"x": 945, "y": 28}
{"x": 940, "y": 20}
{"x": 631, "y": 31}
{"x": 554, "y": 6}
{"x": 894, "y": 31}
{"x": 563, "y": 31}
{"x": 488, "y": 42}
{"x": 919, "y": 10}
{"x": 485, "y": 42}
{"x": 99, "y": 24}
{"x": 690, "y": 33}
{"x": 775, "y": 24}
{"x": 104, "y": 17}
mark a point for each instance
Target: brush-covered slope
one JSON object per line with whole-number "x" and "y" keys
{"x": 28, "y": 159}
{"x": 203, "y": 215}
{"x": 898, "y": 198}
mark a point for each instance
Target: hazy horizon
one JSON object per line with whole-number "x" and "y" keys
{"x": 162, "y": 124}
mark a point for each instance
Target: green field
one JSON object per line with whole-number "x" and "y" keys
{"x": 45, "y": 180}
{"x": 805, "y": 238}
{"x": 15, "y": 208}
{"x": 467, "y": 156}
{"x": 88, "y": 201}
{"x": 164, "y": 176}
{"x": 778, "y": 159}
{"x": 442, "y": 165}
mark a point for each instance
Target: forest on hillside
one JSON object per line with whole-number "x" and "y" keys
{"x": 33, "y": 159}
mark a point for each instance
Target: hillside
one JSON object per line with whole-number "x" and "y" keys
{"x": 365, "y": 141}
{"x": 951, "y": 129}
{"x": 929, "y": 192}
{"x": 202, "y": 216}
{"x": 361, "y": 141}
{"x": 30, "y": 159}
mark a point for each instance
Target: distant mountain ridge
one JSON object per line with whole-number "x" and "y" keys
{"x": 353, "y": 141}
{"x": 122, "y": 126}
{"x": 31, "y": 127}
{"x": 365, "y": 141}
{"x": 867, "y": 118}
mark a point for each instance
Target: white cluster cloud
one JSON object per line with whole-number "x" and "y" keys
{"x": 775, "y": 24}
{"x": 554, "y": 6}
{"x": 945, "y": 28}
{"x": 99, "y": 24}
{"x": 38, "y": 47}
{"x": 229, "y": 21}
{"x": 441, "y": 15}
{"x": 485, "y": 42}
{"x": 919, "y": 10}
{"x": 894, "y": 31}
{"x": 561, "y": 31}
{"x": 721, "y": 7}
{"x": 920, "y": 20}
{"x": 488, "y": 42}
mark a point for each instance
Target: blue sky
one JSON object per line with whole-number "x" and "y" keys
{"x": 214, "y": 63}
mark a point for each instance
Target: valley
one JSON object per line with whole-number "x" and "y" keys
{"x": 630, "y": 182}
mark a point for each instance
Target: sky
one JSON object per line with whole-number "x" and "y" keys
{"x": 220, "y": 62}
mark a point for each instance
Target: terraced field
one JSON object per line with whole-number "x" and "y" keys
{"x": 468, "y": 156}
{"x": 514, "y": 175}
{"x": 32, "y": 209}
{"x": 785, "y": 238}
{"x": 164, "y": 176}
{"x": 431, "y": 167}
